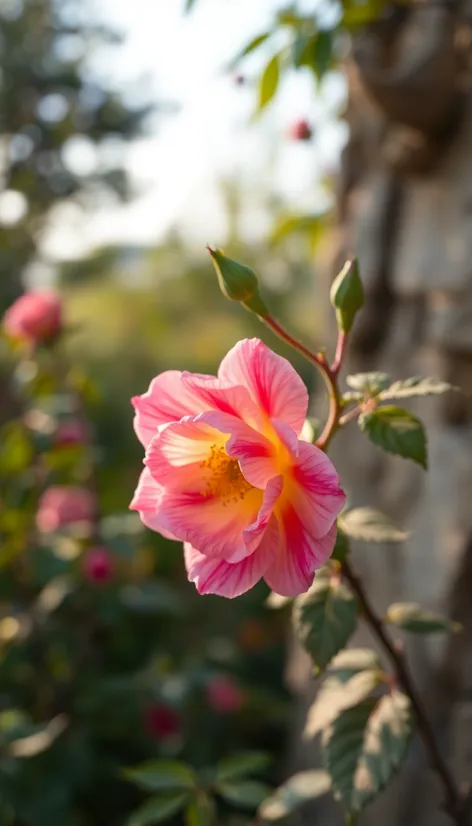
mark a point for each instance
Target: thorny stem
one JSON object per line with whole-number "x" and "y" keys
{"x": 456, "y": 803}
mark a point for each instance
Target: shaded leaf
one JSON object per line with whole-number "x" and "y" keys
{"x": 40, "y": 740}
{"x": 396, "y": 431}
{"x": 158, "y": 809}
{"x": 351, "y": 661}
{"x": 412, "y": 617}
{"x": 335, "y": 697}
{"x": 276, "y": 601}
{"x": 201, "y": 811}
{"x": 269, "y": 82}
{"x": 240, "y": 765}
{"x": 416, "y": 386}
{"x": 165, "y": 775}
{"x": 370, "y": 383}
{"x": 16, "y": 450}
{"x": 301, "y": 787}
{"x": 247, "y": 794}
{"x": 323, "y": 52}
{"x": 324, "y": 618}
{"x": 370, "y": 525}
{"x": 365, "y": 747}
{"x": 341, "y": 546}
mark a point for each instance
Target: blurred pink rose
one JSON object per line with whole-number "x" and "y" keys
{"x": 71, "y": 432}
{"x": 34, "y": 317}
{"x": 224, "y": 694}
{"x": 227, "y": 474}
{"x": 161, "y": 722}
{"x": 98, "y": 565}
{"x": 300, "y": 131}
{"x": 63, "y": 505}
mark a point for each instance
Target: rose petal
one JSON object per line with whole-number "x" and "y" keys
{"x": 271, "y": 380}
{"x": 168, "y": 399}
{"x": 299, "y": 556}
{"x": 147, "y": 501}
{"x": 231, "y": 579}
{"x": 314, "y": 491}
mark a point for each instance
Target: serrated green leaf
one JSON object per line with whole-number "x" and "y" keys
{"x": 247, "y": 794}
{"x": 240, "y": 765}
{"x": 159, "y": 809}
{"x": 412, "y": 617}
{"x": 416, "y": 386}
{"x": 397, "y": 431}
{"x": 370, "y": 525}
{"x": 300, "y": 788}
{"x": 371, "y": 383}
{"x": 324, "y": 618}
{"x": 201, "y": 812}
{"x": 341, "y": 546}
{"x": 365, "y": 747}
{"x": 165, "y": 775}
{"x": 335, "y": 697}
{"x": 269, "y": 82}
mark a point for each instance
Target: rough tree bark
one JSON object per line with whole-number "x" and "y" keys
{"x": 405, "y": 207}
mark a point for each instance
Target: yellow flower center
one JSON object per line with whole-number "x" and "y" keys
{"x": 225, "y": 479}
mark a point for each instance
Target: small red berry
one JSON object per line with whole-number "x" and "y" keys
{"x": 301, "y": 130}
{"x": 161, "y": 722}
{"x": 98, "y": 565}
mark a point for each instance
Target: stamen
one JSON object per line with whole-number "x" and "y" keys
{"x": 226, "y": 480}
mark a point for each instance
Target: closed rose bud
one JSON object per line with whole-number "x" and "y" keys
{"x": 300, "y": 131}
{"x": 71, "y": 432}
{"x": 224, "y": 694}
{"x": 63, "y": 505}
{"x": 98, "y": 565}
{"x": 34, "y": 318}
{"x": 161, "y": 722}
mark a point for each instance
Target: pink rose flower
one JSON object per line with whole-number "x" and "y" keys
{"x": 224, "y": 694}
{"x": 63, "y": 505}
{"x": 226, "y": 473}
{"x": 71, "y": 432}
{"x": 98, "y": 565}
{"x": 34, "y": 317}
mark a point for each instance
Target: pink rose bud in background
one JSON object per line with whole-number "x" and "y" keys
{"x": 227, "y": 474}
{"x": 98, "y": 565}
{"x": 224, "y": 694}
{"x": 71, "y": 432}
{"x": 300, "y": 131}
{"x": 62, "y": 505}
{"x": 35, "y": 317}
{"x": 162, "y": 722}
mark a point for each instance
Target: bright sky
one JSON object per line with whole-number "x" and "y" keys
{"x": 176, "y": 169}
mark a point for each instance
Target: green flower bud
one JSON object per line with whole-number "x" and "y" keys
{"x": 238, "y": 282}
{"x": 347, "y": 295}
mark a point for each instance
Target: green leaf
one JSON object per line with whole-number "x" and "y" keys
{"x": 165, "y": 775}
{"x": 158, "y": 809}
{"x": 324, "y": 618}
{"x": 16, "y": 450}
{"x": 313, "y": 224}
{"x": 251, "y": 47}
{"x": 365, "y": 747}
{"x": 370, "y": 525}
{"x": 396, "y": 431}
{"x": 416, "y": 386}
{"x": 351, "y": 661}
{"x": 201, "y": 811}
{"x": 276, "y": 601}
{"x": 418, "y": 620}
{"x": 369, "y": 383}
{"x": 336, "y": 696}
{"x": 269, "y": 82}
{"x": 247, "y": 794}
{"x": 323, "y": 52}
{"x": 341, "y": 547}
{"x": 301, "y": 787}
{"x": 240, "y": 765}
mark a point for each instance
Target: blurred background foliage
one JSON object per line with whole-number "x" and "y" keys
{"x": 94, "y": 676}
